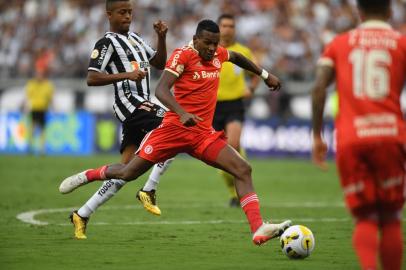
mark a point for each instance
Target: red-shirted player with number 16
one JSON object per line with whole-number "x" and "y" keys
{"x": 369, "y": 65}
{"x": 194, "y": 72}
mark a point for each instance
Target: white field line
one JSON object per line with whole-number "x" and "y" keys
{"x": 30, "y": 216}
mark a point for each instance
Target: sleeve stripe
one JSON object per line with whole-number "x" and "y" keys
{"x": 152, "y": 55}
{"x": 173, "y": 72}
{"x": 95, "y": 69}
{"x": 324, "y": 61}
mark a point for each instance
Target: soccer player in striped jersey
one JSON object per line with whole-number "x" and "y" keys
{"x": 369, "y": 66}
{"x": 194, "y": 72}
{"x": 123, "y": 59}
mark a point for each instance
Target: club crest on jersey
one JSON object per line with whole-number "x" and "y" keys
{"x": 148, "y": 149}
{"x": 216, "y": 63}
{"x": 128, "y": 52}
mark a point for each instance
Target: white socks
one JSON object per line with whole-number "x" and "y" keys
{"x": 111, "y": 187}
{"x": 105, "y": 192}
{"x": 155, "y": 175}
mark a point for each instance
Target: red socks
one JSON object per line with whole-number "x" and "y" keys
{"x": 250, "y": 205}
{"x": 365, "y": 242}
{"x": 391, "y": 246}
{"x": 96, "y": 174}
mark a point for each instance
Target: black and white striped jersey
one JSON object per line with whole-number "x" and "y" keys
{"x": 116, "y": 53}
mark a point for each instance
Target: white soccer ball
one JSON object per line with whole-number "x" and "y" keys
{"x": 297, "y": 242}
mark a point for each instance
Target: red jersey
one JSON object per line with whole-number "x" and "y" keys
{"x": 370, "y": 70}
{"x": 196, "y": 87}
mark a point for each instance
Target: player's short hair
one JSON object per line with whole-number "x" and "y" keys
{"x": 374, "y": 6}
{"x": 207, "y": 25}
{"x": 110, "y": 2}
{"x": 225, "y": 16}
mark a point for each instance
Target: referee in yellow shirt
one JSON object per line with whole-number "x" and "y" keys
{"x": 39, "y": 93}
{"x": 229, "y": 115}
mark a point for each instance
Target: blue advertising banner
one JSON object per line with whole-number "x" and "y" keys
{"x": 291, "y": 138}
{"x": 66, "y": 134}
{"x": 83, "y": 133}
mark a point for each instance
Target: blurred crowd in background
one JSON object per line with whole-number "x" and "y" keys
{"x": 286, "y": 36}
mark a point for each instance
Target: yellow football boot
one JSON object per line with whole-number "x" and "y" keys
{"x": 148, "y": 200}
{"x": 80, "y": 225}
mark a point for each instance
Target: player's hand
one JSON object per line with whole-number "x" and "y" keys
{"x": 136, "y": 75}
{"x": 161, "y": 28}
{"x": 319, "y": 153}
{"x": 189, "y": 119}
{"x": 273, "y": 82}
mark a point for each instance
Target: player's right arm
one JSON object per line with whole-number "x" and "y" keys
{"x": 324, "y": 77}
{"x": 100, "y": 58}
{"x": 164, "y": 95}
{"x": 95, "y": 78}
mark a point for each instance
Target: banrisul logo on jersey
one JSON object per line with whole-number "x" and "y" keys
{"x": 206, "y": 75}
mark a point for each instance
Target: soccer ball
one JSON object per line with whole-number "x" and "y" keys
{"x": 297, "y": 242}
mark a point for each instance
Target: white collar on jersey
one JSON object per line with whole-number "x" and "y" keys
{"x": 192, "y": 46}
{"x": 118, "y": 34}
{"x": 375, "y": 24}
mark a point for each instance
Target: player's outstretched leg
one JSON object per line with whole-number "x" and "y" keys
{"x": 81, "y": 217}
{"x": 127, "y": 172}
{"x": 147, "y": 195}
{"x": 229, "y": 160}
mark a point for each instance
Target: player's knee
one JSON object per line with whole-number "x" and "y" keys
{"x": 390, "y": 216}
{"x": 244, "y": 170}
{"x": 365, "y": 212}
{"x": 127, "y": 175}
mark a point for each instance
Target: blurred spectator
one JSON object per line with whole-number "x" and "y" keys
{"x": 292, "y": 32}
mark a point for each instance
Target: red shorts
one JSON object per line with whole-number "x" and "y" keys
{"x": 373, "y": 177}
{"x": 168, "y": 140}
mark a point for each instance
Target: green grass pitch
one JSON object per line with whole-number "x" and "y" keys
{"x": 196, "y": 230}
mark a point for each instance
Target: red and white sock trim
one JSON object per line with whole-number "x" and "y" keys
{"x": 249, "y": 198}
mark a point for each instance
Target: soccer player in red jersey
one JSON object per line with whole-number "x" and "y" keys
{"x": 194, "y": 72}
{"x": 369, "y": 65}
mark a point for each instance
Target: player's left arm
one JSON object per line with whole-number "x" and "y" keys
{"x": 159, "y": 59}
{"x": 324, "y": 77}
{"x": 164, "y": 95}
{"x": 253, "y": 81}
{"x": 243, "y": 62}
